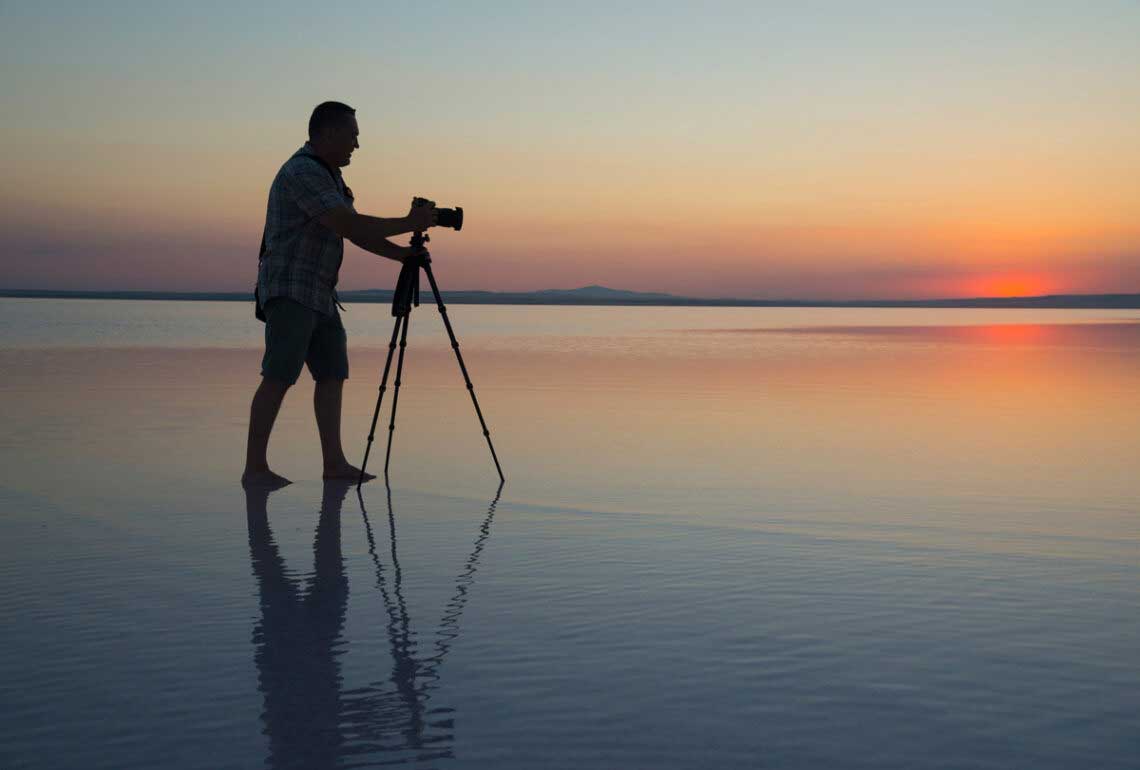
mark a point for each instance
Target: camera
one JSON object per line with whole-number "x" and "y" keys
{"x": 452, "y": 218}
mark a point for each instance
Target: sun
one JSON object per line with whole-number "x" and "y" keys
{"x": 1013, "y": 285}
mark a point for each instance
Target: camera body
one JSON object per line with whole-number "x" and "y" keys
{"x": 452, "y": 218}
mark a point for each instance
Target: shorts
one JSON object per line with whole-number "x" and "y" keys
{"x": 295, "y": 336}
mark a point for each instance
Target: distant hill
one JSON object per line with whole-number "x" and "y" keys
{"x": 603, "y": 295}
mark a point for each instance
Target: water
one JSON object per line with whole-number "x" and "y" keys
{"x": 730, "y": 537}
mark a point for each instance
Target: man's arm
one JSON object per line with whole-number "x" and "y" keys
{"x": 372, "y": 233}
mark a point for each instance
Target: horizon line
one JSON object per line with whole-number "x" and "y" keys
{"x": 581, "y": 295}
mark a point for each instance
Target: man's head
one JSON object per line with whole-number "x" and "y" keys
{"x": 333, "y": 132}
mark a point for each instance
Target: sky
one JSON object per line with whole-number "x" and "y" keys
{"x": 756, "y": 150}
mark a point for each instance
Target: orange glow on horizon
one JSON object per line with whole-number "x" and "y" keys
{"x": 1012, "y": 285}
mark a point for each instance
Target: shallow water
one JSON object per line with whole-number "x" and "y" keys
{"x": 729, "y": 537}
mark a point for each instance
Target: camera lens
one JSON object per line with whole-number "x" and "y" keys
{"x": 450, "y": 218}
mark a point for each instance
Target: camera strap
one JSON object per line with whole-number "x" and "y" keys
{"x": 338, "y": 183}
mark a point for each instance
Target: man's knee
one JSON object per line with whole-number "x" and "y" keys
{"x": 271, "y": 386}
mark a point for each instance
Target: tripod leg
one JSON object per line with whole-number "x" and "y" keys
{"x": 380, "y": 398}
{"x": 396, "y": 391}
{"x": 462, "y": 366}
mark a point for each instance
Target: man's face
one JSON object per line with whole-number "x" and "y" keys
{"x": 342, "y": 140}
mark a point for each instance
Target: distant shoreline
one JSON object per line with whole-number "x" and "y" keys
{"x": 601, "y": 296}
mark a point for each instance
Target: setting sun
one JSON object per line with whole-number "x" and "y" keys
{"x": 1012, "y": 285}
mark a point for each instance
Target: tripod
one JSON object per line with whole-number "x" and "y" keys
{"x": 405, "y": 296}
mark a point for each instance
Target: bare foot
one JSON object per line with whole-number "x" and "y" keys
{"x": 345, "y": 471}
{"x": 265, "y": 479}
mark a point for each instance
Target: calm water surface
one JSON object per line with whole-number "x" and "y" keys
{"x": 729, "y": 538}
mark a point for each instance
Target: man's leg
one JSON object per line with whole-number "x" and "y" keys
{"x": 327, "y": 407}
{"x": 328, "y": 363}
{"x": 262, "y": 414}
{"x": 288, "y": 330}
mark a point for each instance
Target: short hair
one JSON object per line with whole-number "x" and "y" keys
{"x": 326, "y": 115}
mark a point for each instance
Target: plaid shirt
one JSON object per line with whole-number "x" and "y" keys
{"x": 302, "y": 257}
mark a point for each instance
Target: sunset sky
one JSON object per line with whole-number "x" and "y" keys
{"x": 810, "y": 149}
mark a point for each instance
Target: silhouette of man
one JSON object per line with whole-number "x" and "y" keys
{"x": 309, "y": 215}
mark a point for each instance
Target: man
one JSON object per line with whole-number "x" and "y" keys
{"x": 310, "y": 213}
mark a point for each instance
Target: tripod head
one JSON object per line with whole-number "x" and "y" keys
{"x": 419, "y": 238}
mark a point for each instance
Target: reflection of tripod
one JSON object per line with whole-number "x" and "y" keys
{"x": 400, "y": 719}
{"x": 406, "y": 295}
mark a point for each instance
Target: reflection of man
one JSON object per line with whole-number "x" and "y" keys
{"x": 310, "y": 213}
{"x": 296, "y": 641}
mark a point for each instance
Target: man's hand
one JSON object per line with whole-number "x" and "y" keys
{"x": 421, "y": 218}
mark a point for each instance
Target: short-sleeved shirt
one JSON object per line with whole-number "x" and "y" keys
{"x": 302, "y": 257}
